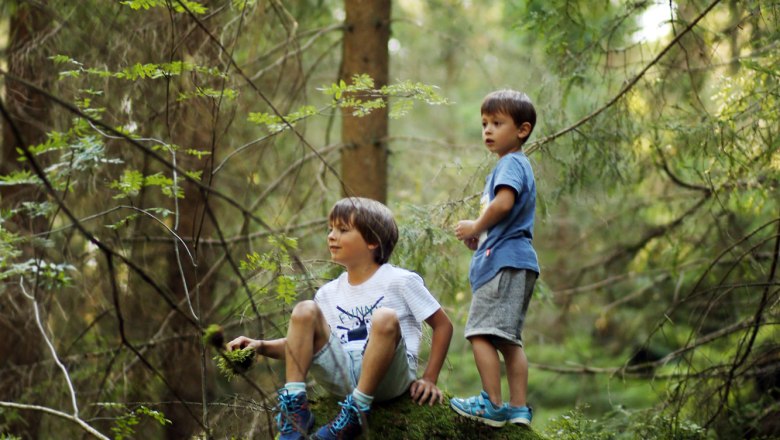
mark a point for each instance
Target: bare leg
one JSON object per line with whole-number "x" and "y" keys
{"x": 307, "y": 333}
{"x": 382, "y": 342}
{"x": 516, "y": 372}
{"x": 486, "y": 358}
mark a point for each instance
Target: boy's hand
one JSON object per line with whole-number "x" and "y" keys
{"x": 243, "y": 342}
{"x": 466, "y": 229}
{"x": 471, "y": 243}
{"x": 423, "y": 390}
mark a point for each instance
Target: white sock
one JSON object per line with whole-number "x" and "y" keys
{"x": 294, "y": 388}
{"x": 364, "y": 401}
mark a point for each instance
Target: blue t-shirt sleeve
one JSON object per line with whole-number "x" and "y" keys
{"x": 509, "y": 172}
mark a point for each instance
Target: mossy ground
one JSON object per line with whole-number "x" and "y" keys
{"x": 401, "y": 419}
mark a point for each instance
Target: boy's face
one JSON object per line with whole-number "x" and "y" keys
{"x": 500, "y": 134}
{"x": 347, "y": 246}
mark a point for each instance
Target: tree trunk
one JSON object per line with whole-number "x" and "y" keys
{"x": 364, "y": 161}
{"x": 29, "y": 112}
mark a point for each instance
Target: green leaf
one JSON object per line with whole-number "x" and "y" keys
{"x": 129, "y": 184}
{"x": 19, "y": 177}
{"x": 194, "y": 7}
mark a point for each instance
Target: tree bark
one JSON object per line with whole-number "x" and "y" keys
{"x": 29, "y": 113}
{"x": 364, "y": 161}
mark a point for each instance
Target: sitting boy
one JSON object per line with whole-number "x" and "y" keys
{"x": 360, "y": 335}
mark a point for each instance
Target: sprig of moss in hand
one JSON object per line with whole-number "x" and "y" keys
{"x": 230, "y": 363}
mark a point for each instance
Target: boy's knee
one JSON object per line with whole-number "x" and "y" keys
{"x": 305, "y": 311}
{"x": 385, "y": 321}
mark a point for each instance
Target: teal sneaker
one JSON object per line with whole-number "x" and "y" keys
{"x": 519, "y": 415}
{"x": 294, "y": 419}
{"x": 480, "y": 408}
{"x": 347, "y": 425}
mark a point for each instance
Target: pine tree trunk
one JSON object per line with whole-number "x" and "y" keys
{"x": 28, "y": 111}
{"x": 364, "y": 161}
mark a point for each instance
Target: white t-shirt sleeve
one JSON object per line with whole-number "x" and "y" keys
{"x": 420, "y": 301}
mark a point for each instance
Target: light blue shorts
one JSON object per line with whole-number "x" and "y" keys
{"x": 338, "y": 370}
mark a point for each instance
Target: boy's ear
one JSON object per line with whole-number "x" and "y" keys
{"x": 373, "y": 246}
{"x": 524, "y": 130}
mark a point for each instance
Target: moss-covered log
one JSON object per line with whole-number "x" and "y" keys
{"x": 401, "y": 419}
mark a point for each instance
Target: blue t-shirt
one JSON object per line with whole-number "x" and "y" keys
{"x": 508, "y": 243}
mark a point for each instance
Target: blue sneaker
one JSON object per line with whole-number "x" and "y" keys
{"x": 348, "y": 423}
{"x": 480, "y": 408}
{"x": 293, "y": 418}
{"x": 519, "y": 415}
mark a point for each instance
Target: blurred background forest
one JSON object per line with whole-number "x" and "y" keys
{"x": 169, "y": 164}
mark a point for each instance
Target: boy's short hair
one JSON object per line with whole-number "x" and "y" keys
{"x": 372, "y": 219}
{"x": 513, "y": 103}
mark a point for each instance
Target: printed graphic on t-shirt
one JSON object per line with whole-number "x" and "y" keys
{"x": 357, "y": 322}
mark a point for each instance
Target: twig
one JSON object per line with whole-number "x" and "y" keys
{"x": 51, "y": 348}
{"x": 75, "y": 416}
{"x": 84, "y": 425}
{"x": 626, "y": 88}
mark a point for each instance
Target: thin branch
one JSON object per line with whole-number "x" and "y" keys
{"x": 739, "y": 359}
{"x": 147, "y": 151}
{"x": 51, "y": 348}
{"x": 626, "y": 88}
{"x": 84, "y": 425}
{"x": 126, "y": 342}
{"x": 677, "y": 180}
{"x": 257, "y": 90}
{"x": 645, "y": 369}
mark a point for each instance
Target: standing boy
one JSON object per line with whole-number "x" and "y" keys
{"x": 504, "y": 267}
{"x": 360, "y": 335}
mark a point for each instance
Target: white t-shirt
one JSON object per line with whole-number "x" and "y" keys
{"x": 348, "y": 308}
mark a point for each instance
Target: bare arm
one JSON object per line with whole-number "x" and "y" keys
{"x": 425, "y": 389}
{"x": 495, "y": 212}
{"x": 273, "y": 348}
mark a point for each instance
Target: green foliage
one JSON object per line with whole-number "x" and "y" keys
{"x": 131, "y": 182}
{"x": 48, "y": 275}
{"x": 623, "y": 425}
{"x": 200, "y": 154}
{"x": 139, "y": 71}
{"x": 8, "y": 248}
{"x": 630, "y": 264}
{"x": 214, "y": 335}
{"x": 177, "y": 5}
{"x": 125, "y": 425}
{"x": 428, "y": 248}
{"x": 274, "y": 263}
{"x": 363, "y": 98}
{"x": 19, "y": 177}
{"x": 659, "y": 426}
{"x": 235, "y": 362}
{"x": 243, "y": 4}
{"x": 574, "y": 426}
{"x": 275, "y": 124}
{"x": 70, "y": 154}
{"x": 208, "y": 92}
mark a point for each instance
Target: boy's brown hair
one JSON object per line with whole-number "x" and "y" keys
{"x": 513, "y": 103}
{"x": 372, "y": 219}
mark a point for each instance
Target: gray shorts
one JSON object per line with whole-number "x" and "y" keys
{"x": 499, "y": 306}
{"x": 338, "y": 370}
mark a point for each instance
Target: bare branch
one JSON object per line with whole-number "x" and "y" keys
{"x": 625, "y": 89}
{"x": 85, "y": 426}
